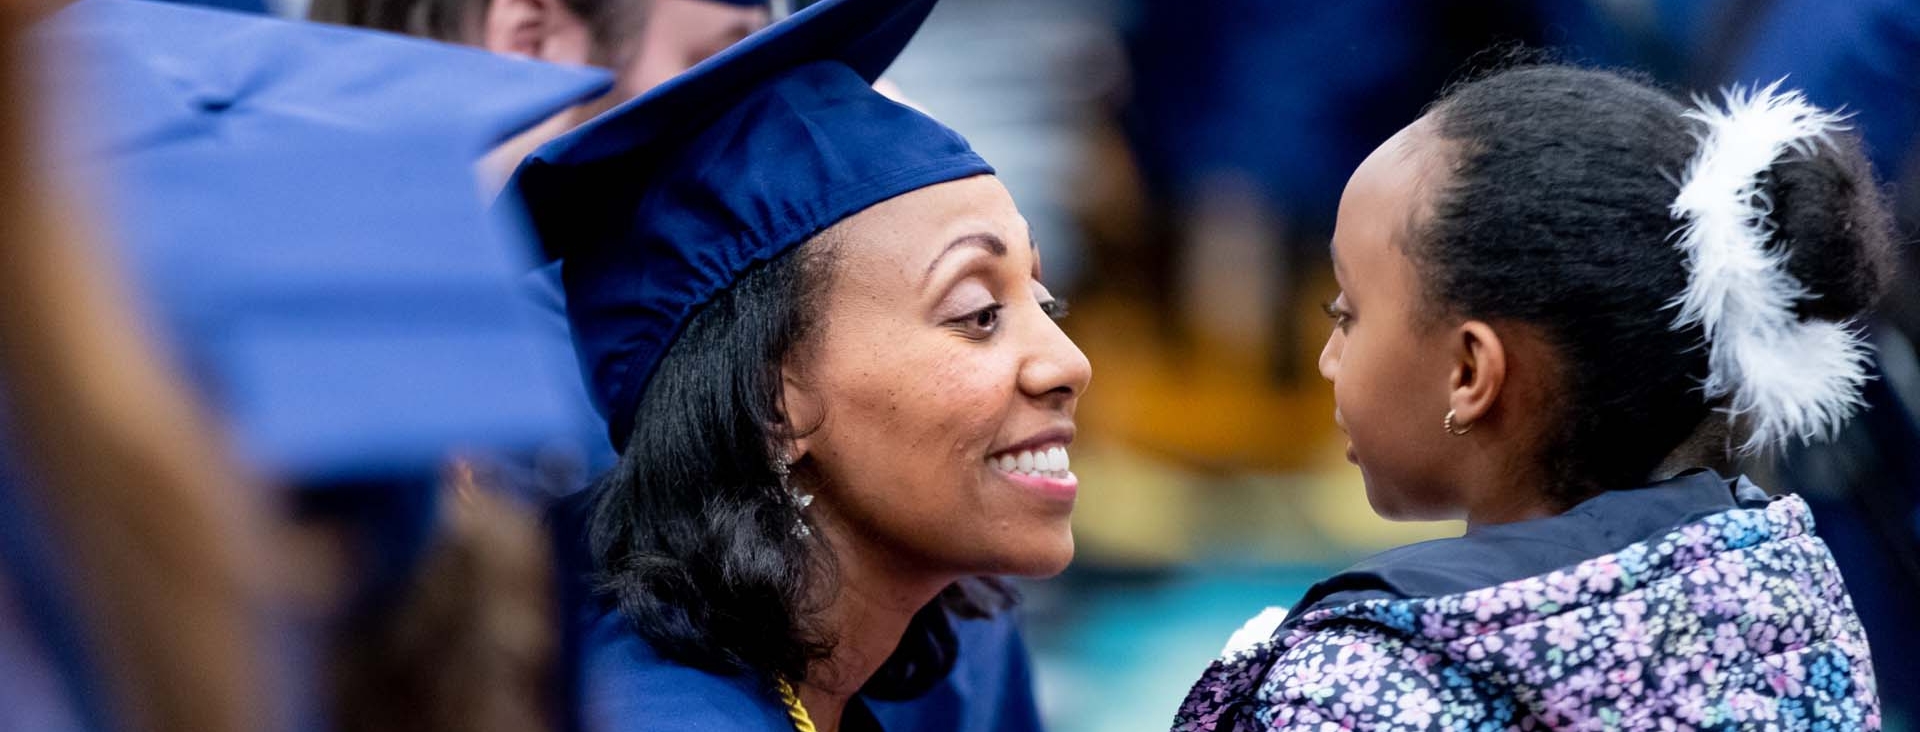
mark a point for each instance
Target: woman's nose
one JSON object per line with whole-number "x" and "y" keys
{"x": 1055, "y": 365}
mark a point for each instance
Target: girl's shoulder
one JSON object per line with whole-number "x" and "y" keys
{"x": 1496, "y": 555}
{"x": 1723, "y": 610}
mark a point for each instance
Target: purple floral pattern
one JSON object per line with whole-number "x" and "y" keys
{"x": 1738, "y": 621}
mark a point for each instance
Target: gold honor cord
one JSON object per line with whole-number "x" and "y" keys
{"x": 796, "y": 710}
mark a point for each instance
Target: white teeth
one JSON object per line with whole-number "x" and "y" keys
{"x": 1052, "y": 461}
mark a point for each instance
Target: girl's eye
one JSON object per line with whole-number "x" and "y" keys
{"x": 1338, "y": 314}
{"x": 1055, "y": 308}
{"x": 979, "y": 324}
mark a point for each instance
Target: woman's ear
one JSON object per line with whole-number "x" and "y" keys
{"x": 1479, "y": 372}
{"x": 800, "y": 411}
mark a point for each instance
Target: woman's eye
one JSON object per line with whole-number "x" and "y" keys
{"x": 981, "y": 323}
{"x": 1055, "y": 308}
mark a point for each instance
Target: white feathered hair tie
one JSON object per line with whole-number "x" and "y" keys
{"x": 1786, "y": 378}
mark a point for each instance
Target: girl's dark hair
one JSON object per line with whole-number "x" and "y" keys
{"x": 1553, "y": 211}
{"x": 692, "y": 533}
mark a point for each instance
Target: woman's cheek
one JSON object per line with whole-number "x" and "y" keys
{"x": 973, "y": 400}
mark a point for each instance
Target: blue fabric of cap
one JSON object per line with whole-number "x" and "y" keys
{"x": 296, "y": 207}
{"x": 662, "y": 203}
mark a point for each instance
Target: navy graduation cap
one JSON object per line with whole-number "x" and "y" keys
{"x": 297, "y": 206}
{"x": 659, "y": 204}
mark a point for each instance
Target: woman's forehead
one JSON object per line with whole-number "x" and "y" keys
{"x": 914, "y": 231}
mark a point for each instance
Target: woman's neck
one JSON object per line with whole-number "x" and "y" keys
{"x": 865, "y": 618}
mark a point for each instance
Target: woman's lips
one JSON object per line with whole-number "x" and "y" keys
{"x": 1061, "y": 485}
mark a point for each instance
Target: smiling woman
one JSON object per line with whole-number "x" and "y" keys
{"x": 919, "y": 410}
{"x": 919, "y": 394}
{"x": 813, "y": 319}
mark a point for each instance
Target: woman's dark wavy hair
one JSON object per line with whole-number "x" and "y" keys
{"x": 692, "y": 533}
{"x": 1554, "y": 211}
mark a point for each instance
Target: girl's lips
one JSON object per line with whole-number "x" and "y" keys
{"x": 1352, "y": 458}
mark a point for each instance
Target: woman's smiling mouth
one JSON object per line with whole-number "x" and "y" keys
{"x": 1041, "y": 464}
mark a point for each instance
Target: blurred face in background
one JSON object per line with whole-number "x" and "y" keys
{"x": 675, "y": 35}
{"x": 644, "y": 42}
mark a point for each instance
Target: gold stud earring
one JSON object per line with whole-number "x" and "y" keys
{"x": 1448, "y": 426}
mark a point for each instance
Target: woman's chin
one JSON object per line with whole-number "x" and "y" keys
{"x": 1042, "y": 560}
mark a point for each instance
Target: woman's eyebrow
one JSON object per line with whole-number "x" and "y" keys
{"x": 988, "y": 242}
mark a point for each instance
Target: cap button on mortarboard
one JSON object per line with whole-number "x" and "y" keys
{"x": 214, "y": 103}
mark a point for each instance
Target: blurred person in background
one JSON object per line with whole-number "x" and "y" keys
{"x": 316, "y": 268}
{"x": 132, "y": 556}
{"x": 814, "y": 322}
{"x": 1521, "y": 264}
{"x": 644, "y": 42}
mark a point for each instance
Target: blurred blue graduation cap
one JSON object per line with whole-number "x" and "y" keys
{"x": 242, "y": 6}
{"x": 298, "y": 207}
{"x": 661, "y": 203}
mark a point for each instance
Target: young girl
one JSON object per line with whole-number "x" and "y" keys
{"x": 1564, "y": 294}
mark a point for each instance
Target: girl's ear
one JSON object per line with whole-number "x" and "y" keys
{"x": 1479, "y": 372}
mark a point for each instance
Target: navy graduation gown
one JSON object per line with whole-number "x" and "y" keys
{"x": 618, "y": 683}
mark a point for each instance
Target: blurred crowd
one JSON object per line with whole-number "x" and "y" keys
{"x": 200, "y": 526}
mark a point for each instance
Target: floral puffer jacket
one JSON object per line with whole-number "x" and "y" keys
{"x": 1735, "y": 621}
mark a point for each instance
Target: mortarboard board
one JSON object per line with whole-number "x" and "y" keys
{"x": 298, "y": 209}
{"x": 663, "y": 202}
